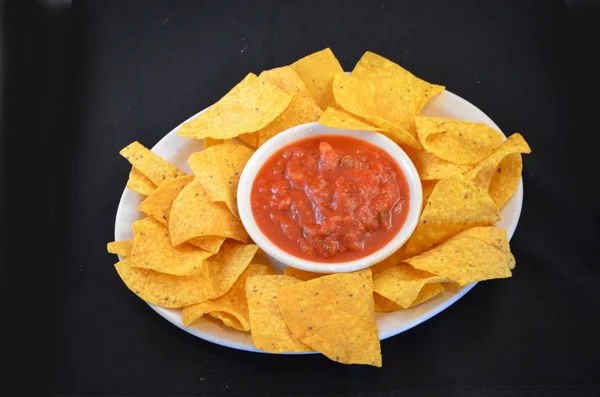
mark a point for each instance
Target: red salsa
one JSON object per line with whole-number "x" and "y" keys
{"x": 330, "y": 198}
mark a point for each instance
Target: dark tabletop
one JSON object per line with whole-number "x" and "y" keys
{"x": 136, "y": 69}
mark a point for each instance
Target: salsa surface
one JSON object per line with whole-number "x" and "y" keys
{"x": 330, "y": 198}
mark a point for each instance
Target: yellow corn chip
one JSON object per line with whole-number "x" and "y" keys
{"x": 208, "y": 142}
{"x": 248, "y": 107}
{"x": 299, "y": 111}
{"x": 226, "y": 266}
{"x": 155, "y": 168}
{"x": 389, "y": 262}
{"x": 457, "y": 141}
{"x": 269, "y": 331}
{"x": 231, "y": 308}
{"x": 429, "y": 291}
{"x": 504, "y": 185}
{"x": 506, "y": 179}
{"x": 302, "y": 275}
{"x": 152, "y": 250}
{"x": 158, "y": 203}
{"x": 122, "y": 248}
{"x": 386, "y": 103}
{"x": 318, "y": 312}
{"x": 139, "y": 183}
{"x": 250, "y": 139}
{"x": 193, "y": 215}
{"x": 218, "y": 169}
{"x": 428, "y": 187}
{"x": 493, "y": 236}
{"x": 286, "y": 79}
{"x": 208, "y": 243}
{"x": 336, "y": 118}
{"x": 164, "y": 289}
{"x": 463, "y": 261}
{"x": 455, "y": 204}
{"x": 431, "y": 167}
{"x": 316, "y": 71}
{"x": 372, "y": 66}
{"x": 403, "y": 283}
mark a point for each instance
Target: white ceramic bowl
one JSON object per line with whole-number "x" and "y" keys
{"x": 308, "y": 130}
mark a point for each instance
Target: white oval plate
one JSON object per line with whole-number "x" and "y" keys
{"x": 176, "y": 150}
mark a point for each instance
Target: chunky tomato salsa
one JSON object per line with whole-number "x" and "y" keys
{"x": 330, "y": 198}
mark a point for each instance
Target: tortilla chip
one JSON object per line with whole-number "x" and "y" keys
{"x": 207, "y": 243}
{"x": 493, "y": 236}
{"x": 318, "y": 312}
{"x": 302, "y": 275}
{"x": 225, "y": 267}
{"x": 299, "y": 111}
{"x": 431, "y": 167}
{"x": 152, "y": 250}
{"x": 389, "y": 262}
{"x": 231, "y": 308}
{"x": 193, "y": 215}
{"x": 209, "y": 142}
{"x": 463, "y": 261}
{"x": 403, "y": 283}
{"x": 504, "y": 185}
{"x": 218, "y": 169}
{"x": 122, "y": 248}
{"x": 506, "y": 179}
{"x": 152, "y": 166}
{"x": 428, "y": 187}
{"x": 429, "y": 291}
{"x": 317, "y": 71}
{"x": 336, "y": 118}
{"x": 139, "y": 183}
{"x": 269, "y": 331}
{"x": 386, "y": 103}
{"x": 457, "y": 141}
{"x": 286, "y": 79}
{"x": 164, "y": 289}
{"x": 456, "y": 204}
{"x": 158, "y": 203}
{"x": 372, "y": 66}
{"x": 248, "y": 107}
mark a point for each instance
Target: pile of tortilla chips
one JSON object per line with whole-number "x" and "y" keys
{"x": 192, "y": 252}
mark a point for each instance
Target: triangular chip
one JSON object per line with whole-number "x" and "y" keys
{"x": 231, "y": 308}
{"x": 386, "y": 103}
{"x": 463, "y": 261}
{"x": 269, "y": 331}
{"x": 457, "y": 141}
{"x": 389, "y": 262}
{"x": 372, "y": 66}
{"x": 303, "y": 275}
{"x": 300, "y": 111}
{"x": 155, "y": 168}
{"x": 456, "y": 204}
{"x": 428, "y": 291}
{"x": 248, "y": 107}
{"x": 208, "y": 243}
{"x": 336, "y": 118}
{"x": 403, "y": 283}
{"x": 164, "y": 289}
{"x": 208, "y": 142}
{"x": 286, "y": 79}
{"x": 225, "y": 267}
{"x": 490, "y": 169}
{"x": 158, "y": 203}
{"x": 316, "y": 71}
{"x": 335, "y": 316}
{"x": 431, "y": 167}
{"x": 493, "y": 236}
{"x": 428, "y": 187}
{"x": 218, "y": 169}
{"x": 193, "y": 215}
{"x": 152, "y": 250}
{"x": 122, "y": 248}
{"x": 139, "y": 183}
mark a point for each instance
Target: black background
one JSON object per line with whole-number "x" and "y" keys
{"x": 80, "y": 84}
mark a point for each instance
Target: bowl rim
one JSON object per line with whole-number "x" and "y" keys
{"x": 313, "y": 129}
